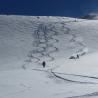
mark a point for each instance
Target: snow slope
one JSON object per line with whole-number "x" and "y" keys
{"x": 91, "y": 16}
{"x": 26, "y": 41}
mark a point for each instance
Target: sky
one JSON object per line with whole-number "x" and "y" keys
{"x": 69, "y": 8}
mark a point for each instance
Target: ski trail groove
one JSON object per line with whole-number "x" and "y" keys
{"x": 78, "y": 75}
{"x": 85, "y": 95}
{"x": 75, "y": 40}
{"x": 42, "y": 36}
{"x": 42, "y": 39}
{"x": 71, "y": 80}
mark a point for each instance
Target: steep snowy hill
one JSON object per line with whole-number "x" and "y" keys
{"x": 45, "y": 38}
{"x": 19, "y": 33}
{"x": 69, "y": 47}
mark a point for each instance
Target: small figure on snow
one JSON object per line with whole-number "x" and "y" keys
{"x": 44, "y": 64}
{"x": 77, "y": 56}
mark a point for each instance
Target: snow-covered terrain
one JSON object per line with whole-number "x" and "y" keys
{"x": 91, "y": 16}
{"x": 67, "y": 45}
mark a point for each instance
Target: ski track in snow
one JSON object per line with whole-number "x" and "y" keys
{"x": 44, "y": 35}
{"x": 85, "y": 95}
{"x": 70, "y": 80}
{"x": 41, "y": 44}
{"x": 42, "y": 39}
{"x": 57, "y": 74}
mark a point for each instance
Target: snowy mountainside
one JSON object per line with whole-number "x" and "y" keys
{"x": 26, "y": 41}
{"x": 67, "y": 36}
{"x": 17, "y": 34}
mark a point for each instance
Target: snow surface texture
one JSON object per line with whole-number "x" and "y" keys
{"x": 69, "y": 47}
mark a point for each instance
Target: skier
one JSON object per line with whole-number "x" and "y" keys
{"x": 77, "y": 56}
{"x": 44, "y": 64}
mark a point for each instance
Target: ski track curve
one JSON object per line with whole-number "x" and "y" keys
{"x": 42, "y": 32}
{"x": 94, "y": 94}
{"x": 70, "y": 80}
{"x": 74, "y": 40}
{"x": 42, "y": 29}
{"x": 42, "y": 39}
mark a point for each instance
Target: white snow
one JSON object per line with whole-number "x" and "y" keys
{"x": 26, "y": 41}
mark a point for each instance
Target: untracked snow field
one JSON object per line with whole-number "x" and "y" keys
{"x": 67, "y": 45}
